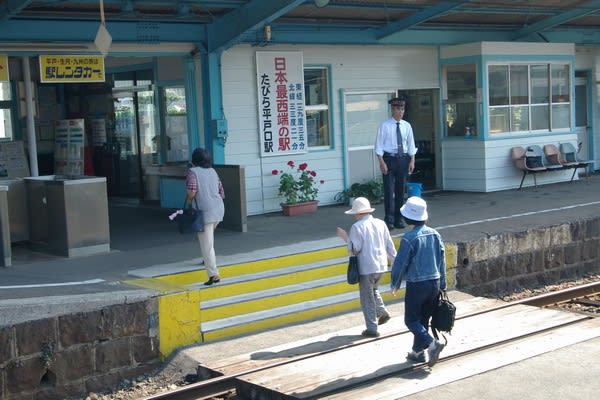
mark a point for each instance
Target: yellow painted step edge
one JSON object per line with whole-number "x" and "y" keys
{"x": 227, "y": 271}
{"x": 304, "y": 316}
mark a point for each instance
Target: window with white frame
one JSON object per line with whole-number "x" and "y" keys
{"x": 316, "y": 92}
{"x": 529, "y": 97}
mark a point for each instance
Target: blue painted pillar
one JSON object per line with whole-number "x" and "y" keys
{"x": 191, "y": 97}
{"x": 215, "y": 124}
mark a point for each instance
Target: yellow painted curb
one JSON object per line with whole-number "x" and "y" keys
{"x": 155, "y": 284}
{"x": 179, "y": 321}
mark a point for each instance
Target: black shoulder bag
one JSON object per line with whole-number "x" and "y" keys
{"x": 443, "y": 316}
{"x": 192, "y": 219}
{"x": 352, "y": 274}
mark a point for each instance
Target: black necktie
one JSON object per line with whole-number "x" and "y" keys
{"x": 399, "y": 139}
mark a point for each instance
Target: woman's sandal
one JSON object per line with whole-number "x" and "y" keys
{"x": 211, "y": 280}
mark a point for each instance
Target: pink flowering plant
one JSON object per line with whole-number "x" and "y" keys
{"x": 299, "y": 185}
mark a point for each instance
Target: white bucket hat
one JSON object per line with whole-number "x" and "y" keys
{"x": 360, "y": 205}
{"x": 415, "y": 208}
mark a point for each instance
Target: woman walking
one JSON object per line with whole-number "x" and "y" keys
{"x": 204, "y": 186}
{"x": 371, "y": 241}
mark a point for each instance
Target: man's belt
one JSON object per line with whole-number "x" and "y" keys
{"x": 394, "y": 155}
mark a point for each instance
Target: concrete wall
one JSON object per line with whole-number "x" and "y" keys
{"x": 512, "y": 261}
{"x": 70, "y": 355}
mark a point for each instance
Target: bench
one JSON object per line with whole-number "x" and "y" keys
{"x": 568, "y": 152}
{"x": 565, "y": 158}
{"x": 529, "y": 162}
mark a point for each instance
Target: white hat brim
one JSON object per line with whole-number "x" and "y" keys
{"x": 365, "y": 211}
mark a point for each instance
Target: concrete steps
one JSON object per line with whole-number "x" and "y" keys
{"x": 270, "y": 308}
{"x": 265, "y": 294}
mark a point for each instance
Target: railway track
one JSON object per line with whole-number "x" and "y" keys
{"x": 584, "y": 299}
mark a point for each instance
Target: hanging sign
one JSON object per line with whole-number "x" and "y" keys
{"x": 89, "y": 68}
{"x": 281, "y": 114}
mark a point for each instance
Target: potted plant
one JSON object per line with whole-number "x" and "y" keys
{"x": 371, "y": 189}
{"x": 299, "y": 189}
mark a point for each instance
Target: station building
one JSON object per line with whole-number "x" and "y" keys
{"x": 260, "y": 83}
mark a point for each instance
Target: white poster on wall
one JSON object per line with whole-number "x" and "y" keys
{"x": 281, "y": 114}
{"x": 98, "y": 131}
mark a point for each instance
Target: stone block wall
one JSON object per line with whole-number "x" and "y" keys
{"x": 72, "y": 355}
{"x": 511, "y": 261}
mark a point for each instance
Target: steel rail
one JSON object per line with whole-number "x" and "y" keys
{"x": 561, "y": 295}
{"x": 222, "y": 384}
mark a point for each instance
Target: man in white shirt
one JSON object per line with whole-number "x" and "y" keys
{"x": 395, "y": 150}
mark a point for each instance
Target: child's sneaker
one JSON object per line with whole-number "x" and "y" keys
{"x": 434, "y": 350}
{"x": 416, "y": 357}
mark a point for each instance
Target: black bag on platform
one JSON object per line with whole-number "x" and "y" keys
{"x": 352, "y": 274}
{"x": 192, "y": 219}
{"x": 443, "y": 316}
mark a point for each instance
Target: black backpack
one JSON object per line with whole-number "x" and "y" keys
{"x": 442, "y": 319}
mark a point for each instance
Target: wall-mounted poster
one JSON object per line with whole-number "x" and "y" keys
{"x": 69, "y": 140}
{"x": 281, "y": 114}
{"x": 13, "y": 163}
{"x": 98, "y": 131}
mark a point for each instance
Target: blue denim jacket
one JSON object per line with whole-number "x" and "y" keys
{"x": 421, "y": 257}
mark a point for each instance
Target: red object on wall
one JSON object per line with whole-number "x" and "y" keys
{"x": 88, "y": 164}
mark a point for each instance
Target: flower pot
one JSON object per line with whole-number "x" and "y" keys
{"x": 291, "y": 210}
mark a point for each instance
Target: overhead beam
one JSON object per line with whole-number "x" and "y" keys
{"x": 350, "y": 37}
{"x": 143, "y": 32}
{"x": 558, "y": 19}
{"x": 418, "y": 18}
{"x": 228, "y": 29}
{"x": 10, "y": 8}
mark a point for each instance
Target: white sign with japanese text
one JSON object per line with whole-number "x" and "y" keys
{"x": 281, "y": 114}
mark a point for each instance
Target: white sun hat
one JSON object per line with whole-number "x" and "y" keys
{"x": 360, "y": 205}
{"x": 415, "y": 208}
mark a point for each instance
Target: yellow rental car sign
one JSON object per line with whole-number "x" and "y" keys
{"x": 87, "y": 68}
{"x": 3, "y": 68}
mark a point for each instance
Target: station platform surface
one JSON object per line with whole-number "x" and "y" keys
{"x": 144, "y": 242}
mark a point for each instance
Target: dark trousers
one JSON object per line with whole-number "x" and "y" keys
{"x": 393, "y": 187}
{"x": 418, "y": 306}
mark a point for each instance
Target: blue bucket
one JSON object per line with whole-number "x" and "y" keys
{"x": 414, "y": 189}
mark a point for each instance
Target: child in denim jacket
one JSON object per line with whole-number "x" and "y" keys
{"x": 421, "y": 262}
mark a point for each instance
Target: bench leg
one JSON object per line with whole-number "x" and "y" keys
{"x": 574, "y": 172}
{"x": 522, "y": 179}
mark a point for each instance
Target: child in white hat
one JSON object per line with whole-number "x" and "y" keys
{"x": 421, "y": 262}
{"x": 371, "y": 241}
